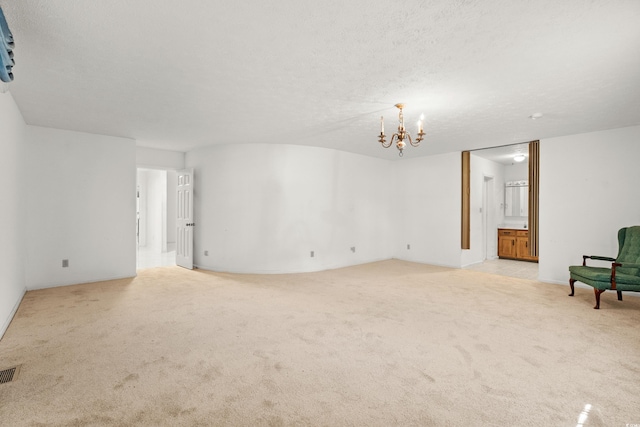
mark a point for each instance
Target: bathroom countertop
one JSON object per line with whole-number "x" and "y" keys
{"x": 512, "y": 227}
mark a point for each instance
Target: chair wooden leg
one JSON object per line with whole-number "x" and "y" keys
{"x": 619, "y": 295}
{"x": 571, "y": 282}
{"x": 597, "y": 292}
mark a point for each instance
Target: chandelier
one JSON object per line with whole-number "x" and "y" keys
{"x": 402, "y": 134}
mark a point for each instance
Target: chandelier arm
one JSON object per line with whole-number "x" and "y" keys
{"x": 384, "y": 143}
{"x": 393, "y": 137}
{"x": 413, "y": 144}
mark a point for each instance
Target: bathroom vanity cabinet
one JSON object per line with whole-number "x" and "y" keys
{"x": 514, "y": 244}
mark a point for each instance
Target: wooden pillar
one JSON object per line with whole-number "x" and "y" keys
{"x": 466, "y": 202}
{"x": 534, "y": 190}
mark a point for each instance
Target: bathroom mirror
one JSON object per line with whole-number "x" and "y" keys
{"x": 516, "y": 198}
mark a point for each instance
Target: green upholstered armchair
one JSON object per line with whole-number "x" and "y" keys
{"x": 624, "y": 274}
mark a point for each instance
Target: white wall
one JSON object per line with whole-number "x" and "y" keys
{"x": 152, "y": 158}
{"x": 13, "y": 196}
{"x": 588, "y": 190}
{"x": 80, "y": 207}
{"x": 516, "y": 171}
{"x": 426, "y": 209}
{"x": 264, "y": 208}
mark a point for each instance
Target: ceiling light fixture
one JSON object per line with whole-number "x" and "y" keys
{"x": 519, "y": 157}
{"x": 402, "y": 134}
{"x": 535, "y": 116}
{"x": 6, "y": 50}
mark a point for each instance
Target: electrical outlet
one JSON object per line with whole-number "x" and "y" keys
{"x": 312, "y": 254}
{"x": 206, "y": 253}
{"x": 65, "y": 263}
{"x": 408, "y": 246}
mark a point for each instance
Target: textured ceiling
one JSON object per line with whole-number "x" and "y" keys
{"x": 181, "y": 75}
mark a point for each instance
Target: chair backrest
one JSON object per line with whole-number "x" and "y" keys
{"x": 629, "y": 252}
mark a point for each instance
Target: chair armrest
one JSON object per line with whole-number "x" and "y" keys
{"x": 596, "y": 257}
{"x": 625, "y": 265}
{"x": 613, "y": 275}
{"x": 614, "y": 265}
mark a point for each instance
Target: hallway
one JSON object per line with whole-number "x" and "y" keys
{"x": 507, "y": 267}
{"x": 148, "y": 258}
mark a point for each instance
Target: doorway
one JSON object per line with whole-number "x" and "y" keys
{"x": 155, "y": 218}
{"x": 495, "y": 171}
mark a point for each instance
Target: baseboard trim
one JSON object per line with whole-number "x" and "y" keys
{"x": 7, "y": 322}
{"x": 60, "y": 284}
{"x": 314, "y": 269}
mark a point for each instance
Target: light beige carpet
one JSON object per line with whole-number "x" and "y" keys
{"x": 387, "y": 343}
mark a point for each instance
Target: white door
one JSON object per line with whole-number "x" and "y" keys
{"x": 184, "y": 222}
